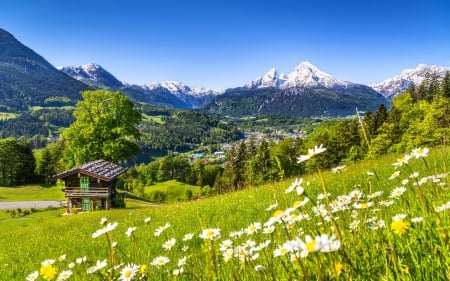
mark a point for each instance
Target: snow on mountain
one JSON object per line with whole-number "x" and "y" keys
{"x": 270, "y": 80}
{"x": 92, "y": 74}
{"x": 304, "y": 75}
{"x": 401, "y": 82}
{"x": 180, "y": 89}
{"x": 308, "y": 75}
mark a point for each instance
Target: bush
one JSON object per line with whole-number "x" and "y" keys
{"x": 157, "y": 196}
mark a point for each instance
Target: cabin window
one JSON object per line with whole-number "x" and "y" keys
{"x": 84, "y": 183}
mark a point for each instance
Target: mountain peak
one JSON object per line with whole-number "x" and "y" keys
{"x": 307, "y": 65}
{"x": 93, "y": 75}
{"x": 304, "y": 75}
{"x": 308, "y": 75}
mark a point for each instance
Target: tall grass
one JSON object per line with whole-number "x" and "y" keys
{"x": 368, "y": 221}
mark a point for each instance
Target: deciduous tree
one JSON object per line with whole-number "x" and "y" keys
{"x": 105, "y": 128}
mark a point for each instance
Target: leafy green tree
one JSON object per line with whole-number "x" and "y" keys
{"x": 44, "y": 167}
{"x": 47, "y": 161}
{"x": 105, "y": 128}
{"x": 16, "y": 162}
{"x": 434, "y": 129}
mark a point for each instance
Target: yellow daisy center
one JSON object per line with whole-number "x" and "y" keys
{"x": 311, "y": 246}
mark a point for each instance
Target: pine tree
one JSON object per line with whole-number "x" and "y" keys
{"x": 445, "y": 86}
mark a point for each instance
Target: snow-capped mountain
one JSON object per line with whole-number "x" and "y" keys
{"x": 192, "y": 97}
{"x": 401, "y": 82}
{"x": 172, "y": 93}
{"x": 179, "y": 89}
{"x": 93, "y": 75}
{"x": 304, "y": 75}
{"x": 269, "y": 80}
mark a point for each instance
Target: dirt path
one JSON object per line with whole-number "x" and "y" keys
{"x": 30, "y": 204}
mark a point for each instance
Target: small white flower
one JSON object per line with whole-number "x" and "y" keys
{"x": 273, "y": 206}
{"x": 128, "y": 272}
{"x": 419, "y": 152}
{"x": 64, "y": 275}
{"x": 160, "y": 229}
{"x": 394, "y": 175}
{"x": 188, "y": 236}
{"x": 253, "y": 228}
{"x": 402, "y": 160}
{"x": 311, "y": 153}
{"x": 130, "y": 231}
{"x": 296, "y": 185}
{"x": 416, "y": 219}
{"x": 33, "y": 276}
{"x": 47, "y": 262}
{"x": 397, "y": 192}
{"x": 178, "y": 271}
{"x": 160, "y": 261}
{"x": 259, "y": 267}
{"x": 443, "y": 207}
{"x": 147, "y": 220}
{"x": 338, "y": 169}
{"x": 182, "y": 261}
{"x": 109, "y": 227}
{"x": 81, "y": 260}
{"x": 169, "y": 244}
{"x": 99, "y": 265}
{"x": 210, "y": 234}
{"x": 398, "y": 217}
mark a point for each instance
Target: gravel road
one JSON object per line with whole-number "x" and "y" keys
{"x": 30, "y": 204}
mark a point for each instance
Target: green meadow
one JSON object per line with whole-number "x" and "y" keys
{"x": 365, "y": 221}
{"x": 31, "y": 193}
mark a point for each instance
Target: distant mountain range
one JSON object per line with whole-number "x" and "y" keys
{"x": 27, "y": 79}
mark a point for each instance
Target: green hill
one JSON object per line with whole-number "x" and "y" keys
{"x": 171, "y": 191}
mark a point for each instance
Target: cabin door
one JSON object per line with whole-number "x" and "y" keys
{"x": 86, "y": 204}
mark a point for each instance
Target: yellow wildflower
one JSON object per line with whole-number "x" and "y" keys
{"x": 399, "y": 226}
{"x": 48, "y": 272}
{"x": 339, "y": 268}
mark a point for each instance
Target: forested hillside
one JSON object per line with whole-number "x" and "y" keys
{"x": 178, "y": 130}
{"x": 27, "y": 79}
{"x": 296, "y": 101}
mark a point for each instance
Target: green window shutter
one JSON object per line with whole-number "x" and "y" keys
{"x": 84, "y": 183}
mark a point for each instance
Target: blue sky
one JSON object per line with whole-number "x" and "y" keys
{"x": 225, "y": 43}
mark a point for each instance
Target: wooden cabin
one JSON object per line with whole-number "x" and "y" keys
{"x": 91, "y": 186}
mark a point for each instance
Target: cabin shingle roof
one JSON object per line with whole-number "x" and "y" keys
{"x": 101, "y": 169}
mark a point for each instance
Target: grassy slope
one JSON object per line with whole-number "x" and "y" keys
{"x": 27, "y": 242}
{"x": 175, "y": 190}
{"x": 31, "y": 193}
